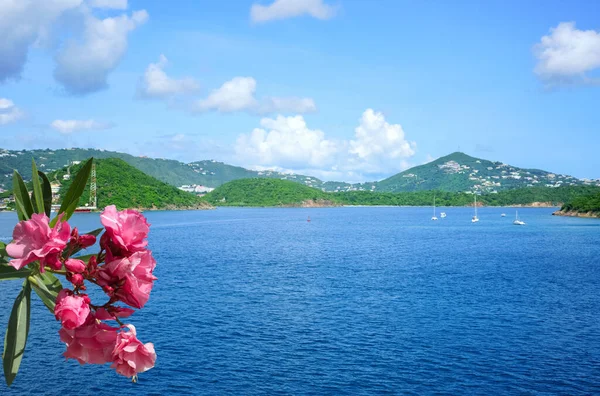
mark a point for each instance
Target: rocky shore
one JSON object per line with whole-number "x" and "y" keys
{"x": 573, "y": 213}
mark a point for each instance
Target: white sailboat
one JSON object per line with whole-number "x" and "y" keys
{"x": 475, "y": 219}
{"x": 503, "y": 215}
{"x": 517, "y": 221}
{"x": 443, "y": 214}
{"x": 434, "y": 217}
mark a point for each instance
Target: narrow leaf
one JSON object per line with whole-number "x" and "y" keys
{"x": 71, "y": 199}
{"x": 16, "y": 334}
{"x": 37, "y": 189}
{"x": 47, "y": 192}
{"x": 46, "y": 286}
{"x": 22, "y": 201}
{"x": 8, "y": 272}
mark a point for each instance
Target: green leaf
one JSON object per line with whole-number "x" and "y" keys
{"x": 71, "y": 199}
{"x": 16, "y": 334}
{"x": 38, "y": 198}
{"x": 46, "y": 192}
{"x": 47, "y": 287}
{"x": 22, "y": 201}
{"x": 8, "y": 272}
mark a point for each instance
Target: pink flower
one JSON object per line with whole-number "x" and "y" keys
{"x": 35, "y": 240}
{"x": 126, "y": 230}
{"x": 130, "y": 356}
{"x": 86, "y": 240}
{"x": 131, "y": 277}
{"x": 91, "y": 343}
{"x": 70, "y": 309}
{"x": 75, "y": 265}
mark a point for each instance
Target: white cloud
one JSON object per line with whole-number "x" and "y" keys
{"x": 156, "y": 84}
{"x": 283, "y": 9}
{"x": 567, "y": 54}
{"x": 378, "y": 145}
{"x": 83, "y": 66}
{"x": 67, "y": 127}
{"x": 287, "y": 105}
{"x": 9, "y": 112}
{"x": 111, "y": 4}
{"x": 235, "y": 95}
{"x": 287, "y": 143}
{"x": 238, "y": 94}
{"x": 22, "y": 24}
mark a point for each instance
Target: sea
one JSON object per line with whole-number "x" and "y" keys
{"x": 356, "y": 301}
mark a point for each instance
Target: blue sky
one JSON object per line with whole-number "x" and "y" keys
{"x": 341, "y": 89}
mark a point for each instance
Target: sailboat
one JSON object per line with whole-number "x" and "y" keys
{"x": 443, "y": 214}
{"x": 503, "y": 215}
{"x": 517, "y": 221}
{"x": 475, "y": 219}
{"x": 434, "y": 217}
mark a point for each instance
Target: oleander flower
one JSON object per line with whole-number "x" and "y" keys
{"x": 129, "y": 278}
{"x": 35, "y": 240}
{"x": 72, "y": 310}
{"x": 75, "y": 265}
{"x": 91, "y": 343}
{"x": 126, "y": 231}
{"x": 130, "y": 356}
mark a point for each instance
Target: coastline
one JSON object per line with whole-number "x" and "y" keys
{"x": 572, "y": 213}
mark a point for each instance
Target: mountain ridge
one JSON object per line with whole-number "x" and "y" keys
{"x": 454, "y": 172}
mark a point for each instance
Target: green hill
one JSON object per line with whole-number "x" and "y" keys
{"x": 266, "y": 192}
{"x": 272, "y": 192}
{"x": 585, "y": 204}
{"x": 453, "y": 173}
{"x": 461, "y": 172}
{"x": 208, "y": 173}
{"x": 120, "y": 184}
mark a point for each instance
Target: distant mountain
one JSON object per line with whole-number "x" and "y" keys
{"x": 208, "y": 173}
{"x": 273, "y": 192}
{"x": 453, "y": 173}
{"x": 461, "y": 172}
{"x": 120, "y": 184}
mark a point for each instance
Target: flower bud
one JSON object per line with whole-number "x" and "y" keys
{"x": 75, "y": 265}
{"x": 86, "y": 240}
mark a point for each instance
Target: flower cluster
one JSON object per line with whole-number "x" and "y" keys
{"x": 123, "y": 269}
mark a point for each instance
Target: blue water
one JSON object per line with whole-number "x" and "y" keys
{"x": 358, "y": 301}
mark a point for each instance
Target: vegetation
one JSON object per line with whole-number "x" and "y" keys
{"x": 264, "y": 192}
{"x": 584, "y": 204}
{"x": 457, "y": 172}
{"x": 122, "y": 185}
{"x": 269, "y": 192}
{"x": 207, "y": 173}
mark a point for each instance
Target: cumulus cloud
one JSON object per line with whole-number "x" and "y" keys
{"x": 83, "y": 65}
{"x": 287, "y": 143}
{"x": 67, "y": 127}
{"x": 567, "y": 54}
{"x": 235, "y": 95}
{"x": 110, "y": 4}
{"x": 284, "y": 9}
{"x": 238, "y": 94}
{"x": 378, "y": 145}
{"x": 156, "y": 84}
{"x": 22, "y": 24}
{"x": 9, "y": 113}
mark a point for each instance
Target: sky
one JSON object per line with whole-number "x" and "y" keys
{"x": 348, "y": 90}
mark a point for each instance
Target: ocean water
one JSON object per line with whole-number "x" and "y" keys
{"x": 357, "y": 301}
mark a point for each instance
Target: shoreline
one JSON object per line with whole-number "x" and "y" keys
{"x": 587, "y": 215}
